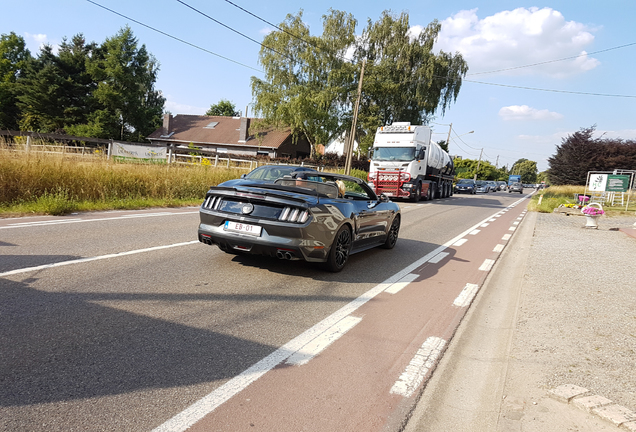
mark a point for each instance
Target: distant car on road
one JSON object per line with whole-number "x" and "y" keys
{"x": 502, "y": 185}
{"x": 482, "y": 186}
{"x": 465, "y": 186}
{"x": 268, "y": 174}
{"x": 493, "y": 186}
{"x": 515, "y": 187}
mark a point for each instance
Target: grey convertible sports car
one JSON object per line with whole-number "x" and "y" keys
{"x": 324, "y": 219}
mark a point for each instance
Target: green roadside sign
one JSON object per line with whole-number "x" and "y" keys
{"x": 617, "y": 183}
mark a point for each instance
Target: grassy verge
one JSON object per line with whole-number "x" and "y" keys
{"x": 555, "y": 196}
{"x": 42, "y": 184}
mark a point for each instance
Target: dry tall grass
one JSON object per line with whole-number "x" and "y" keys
{"x": 29, "y": 178}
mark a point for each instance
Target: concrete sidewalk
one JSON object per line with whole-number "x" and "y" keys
{"x": 558, "y": 309}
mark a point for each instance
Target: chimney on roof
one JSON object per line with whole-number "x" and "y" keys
{"x": 167, "y": 124}
{"x": 244, "y": 130}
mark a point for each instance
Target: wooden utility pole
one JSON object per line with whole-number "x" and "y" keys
{"x": 354, "y": 120}
{"x": 478, "y": 163}
{"x": 450, "y": 128}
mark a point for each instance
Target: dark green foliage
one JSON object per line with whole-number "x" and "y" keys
{"x": 311, "y": 86}
{"x": 223, "y": 108}
{"x": 580, "y": 153}
{"x": 104, "y": 91}
{"x": 13, "y": 59}
{"x": 527, "y": 169}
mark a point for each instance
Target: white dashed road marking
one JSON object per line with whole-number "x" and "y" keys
{"x": 417, "y": 369}
{"x": 466, "y": 296}
{"x": 487, "y": 265}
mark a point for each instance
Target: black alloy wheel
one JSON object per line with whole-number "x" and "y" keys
{"x": 392, "y": 235}
{"x": 339, "y": 253}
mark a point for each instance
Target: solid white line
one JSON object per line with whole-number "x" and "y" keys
{"x": 466, "y": 296}
{"x": 186, "y": 418}
{"x": 419, "y": 366}
{"x": 79, "y": 220}
{"x": 460, "y": 242}
{"x": 96, "y": 258}
{"x": 506, "y": 237}
{"x": 319, "y": 344}
{"x": 437, "y": 258}
{"x": 498, "y": 248}
{"x": 487, "y": 265}
{"x": 402, "y": 283}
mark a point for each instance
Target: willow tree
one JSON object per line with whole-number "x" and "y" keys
{"x": 311, "y": 82}
{"x": 307, "y": 78}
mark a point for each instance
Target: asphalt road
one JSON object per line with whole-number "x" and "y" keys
{"x": 121, "y": 320}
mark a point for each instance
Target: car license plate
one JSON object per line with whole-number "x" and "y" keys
{"x": 254, "y": 230}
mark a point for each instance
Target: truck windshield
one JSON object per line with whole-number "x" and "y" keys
{"x": 393, "y": 153}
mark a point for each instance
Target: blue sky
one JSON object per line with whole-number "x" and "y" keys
{"x": 509, "y": 122}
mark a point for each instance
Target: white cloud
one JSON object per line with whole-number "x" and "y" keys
{"x": 35, "y": 42}
{"x": 518, "y": 37}
{"x": 524, "y": 112}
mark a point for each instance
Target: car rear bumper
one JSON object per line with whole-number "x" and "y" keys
{"x": 295, "y": 244}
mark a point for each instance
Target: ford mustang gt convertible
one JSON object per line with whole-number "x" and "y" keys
{"x": 322, "y": 218}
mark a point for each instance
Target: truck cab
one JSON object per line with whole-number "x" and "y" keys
{"x": 405, "y": 163}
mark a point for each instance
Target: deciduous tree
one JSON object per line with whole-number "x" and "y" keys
{"x": 223, "y": 108}
{"x": 311, "y": 82}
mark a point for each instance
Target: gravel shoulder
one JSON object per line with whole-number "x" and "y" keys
{"x": 559, "y": 308}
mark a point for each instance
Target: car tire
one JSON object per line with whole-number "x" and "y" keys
{"x": 392, "y": 235}
{"x": 339, "y": 253}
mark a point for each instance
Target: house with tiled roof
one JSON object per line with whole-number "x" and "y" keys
{"x": 228, "y": 136}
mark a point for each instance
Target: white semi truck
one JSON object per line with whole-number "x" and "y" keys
{"x": 405, "y": 163}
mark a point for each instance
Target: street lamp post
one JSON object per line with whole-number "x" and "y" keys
{"x": 450, "y": 128}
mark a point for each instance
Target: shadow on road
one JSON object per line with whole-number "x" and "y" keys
{"x": 57, "y": 346}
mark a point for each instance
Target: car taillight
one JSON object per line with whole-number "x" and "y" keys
{"x": 290, "y": 214}
{"x": 211, "y": 202}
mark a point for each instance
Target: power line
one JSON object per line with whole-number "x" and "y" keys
{"x": 549, "y": 90}
{"x": 174, "y": 37}
{"x": 457, "y": 136}
{"x": 313, "y": 44}
{"x": 552, "y": 61}
{"x": 232, "y": 29}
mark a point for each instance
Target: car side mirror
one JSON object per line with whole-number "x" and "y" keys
{"x": 243, "y": 175}
{"x": 384, "y": 198}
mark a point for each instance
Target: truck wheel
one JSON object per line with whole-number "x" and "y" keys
{"x": 435, "y": 191}
{"x": 415, "y": 197}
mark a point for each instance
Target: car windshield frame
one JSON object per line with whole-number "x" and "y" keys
{"x": 465, "y": 181}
